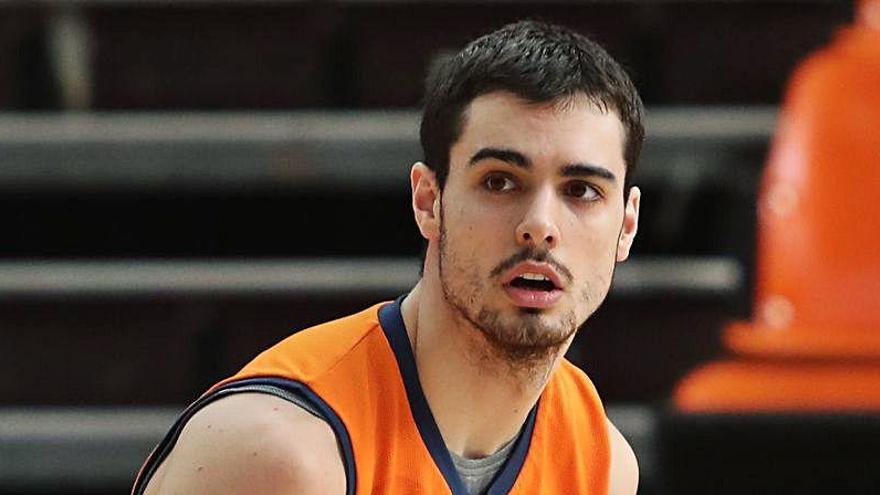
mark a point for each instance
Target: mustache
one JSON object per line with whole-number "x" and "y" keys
{"x": 538, "y": 256}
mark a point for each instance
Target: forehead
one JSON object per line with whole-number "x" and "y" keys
{"x": 575, "y": 130}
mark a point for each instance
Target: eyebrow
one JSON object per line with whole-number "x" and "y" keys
{"x": 588, "y": 170}
{"x": 512, "y": 157}
{"x": 518, "y": 159}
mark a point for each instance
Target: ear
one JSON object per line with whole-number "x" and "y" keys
{"x": 425, "y": 200}
{"x": 630, "y": 224}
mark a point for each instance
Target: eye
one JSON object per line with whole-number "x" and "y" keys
{"x": 581, "y": 190}
{"x": 498, "y": 183}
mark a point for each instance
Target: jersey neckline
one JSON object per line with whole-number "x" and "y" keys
{"x": 391, "y": 322}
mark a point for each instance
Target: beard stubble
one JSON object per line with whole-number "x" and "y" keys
{"x": 524, "y": 338}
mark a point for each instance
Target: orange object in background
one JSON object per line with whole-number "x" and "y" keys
{"x": 739, "y": 386}
{"x": 814, "y": 342}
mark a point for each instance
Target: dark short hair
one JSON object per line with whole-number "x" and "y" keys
{"x": 538, "y": 62}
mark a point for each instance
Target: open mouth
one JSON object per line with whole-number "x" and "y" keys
{"x": 531, "y": 281}
{"x": 533, "y": 285}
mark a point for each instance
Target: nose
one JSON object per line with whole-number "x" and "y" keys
{"x": 538, "y": 228}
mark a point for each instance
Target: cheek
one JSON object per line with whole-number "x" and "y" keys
{"x": 478, "y": 224}
{"x": 595, "y": 250}
{"x": 594, "y": 235}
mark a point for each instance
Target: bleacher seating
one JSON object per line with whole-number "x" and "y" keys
{"x": 214, "y": 174}
{"x": 157, "y": 265}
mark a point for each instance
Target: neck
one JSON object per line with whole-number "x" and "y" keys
{"x": 479, "y": 399}
{"x": 868, "y": 13}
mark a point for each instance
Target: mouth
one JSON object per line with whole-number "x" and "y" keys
{"x": 533, "y": 281}
{"x": 533, "y": 285}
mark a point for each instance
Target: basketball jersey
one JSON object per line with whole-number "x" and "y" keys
{"x": 359, "y": 372}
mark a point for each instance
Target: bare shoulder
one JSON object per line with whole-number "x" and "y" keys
{"x": 624, "y": 466}
{"x": 252, "y": 443}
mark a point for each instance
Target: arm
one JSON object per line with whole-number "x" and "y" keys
{"x": 624, "y": 466}
{"x": 256, "y": 444}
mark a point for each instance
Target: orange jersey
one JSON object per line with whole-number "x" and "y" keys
{"x": 360, "y": 374}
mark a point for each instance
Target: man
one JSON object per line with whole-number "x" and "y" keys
{"x": 530, "y": 134}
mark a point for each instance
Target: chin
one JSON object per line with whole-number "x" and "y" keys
{"x": 556, "y": 309}
{"x": 541, "y": 323}
{"x": 532, "y": 311}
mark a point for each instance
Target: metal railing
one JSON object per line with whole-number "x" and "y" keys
{"x": 95, "y": 447}
{"x": 142, "y": 278}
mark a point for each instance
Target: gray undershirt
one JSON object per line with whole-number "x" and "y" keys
{"x": 476, "y": 474}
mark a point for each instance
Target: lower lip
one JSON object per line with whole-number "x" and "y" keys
{"x": 527, "y": 298}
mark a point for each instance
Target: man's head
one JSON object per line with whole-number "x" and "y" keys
{"x": 525, "y": 208}
{"x": 539, "y": 63}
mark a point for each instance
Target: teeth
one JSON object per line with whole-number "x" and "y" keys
{"x": 534, "y": 276}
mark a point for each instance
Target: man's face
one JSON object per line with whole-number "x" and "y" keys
{"x": 532, "y": 219}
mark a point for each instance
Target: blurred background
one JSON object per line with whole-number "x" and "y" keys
{"x": 184, "y": 183}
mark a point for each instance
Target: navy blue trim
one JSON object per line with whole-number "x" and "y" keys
{"x": 242, "y": 386}
{"x": 301, "y": 389}
{"x": 505, "y": 479}
{"x": 168, "y": 441}
{"x": 391, "y": 320}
